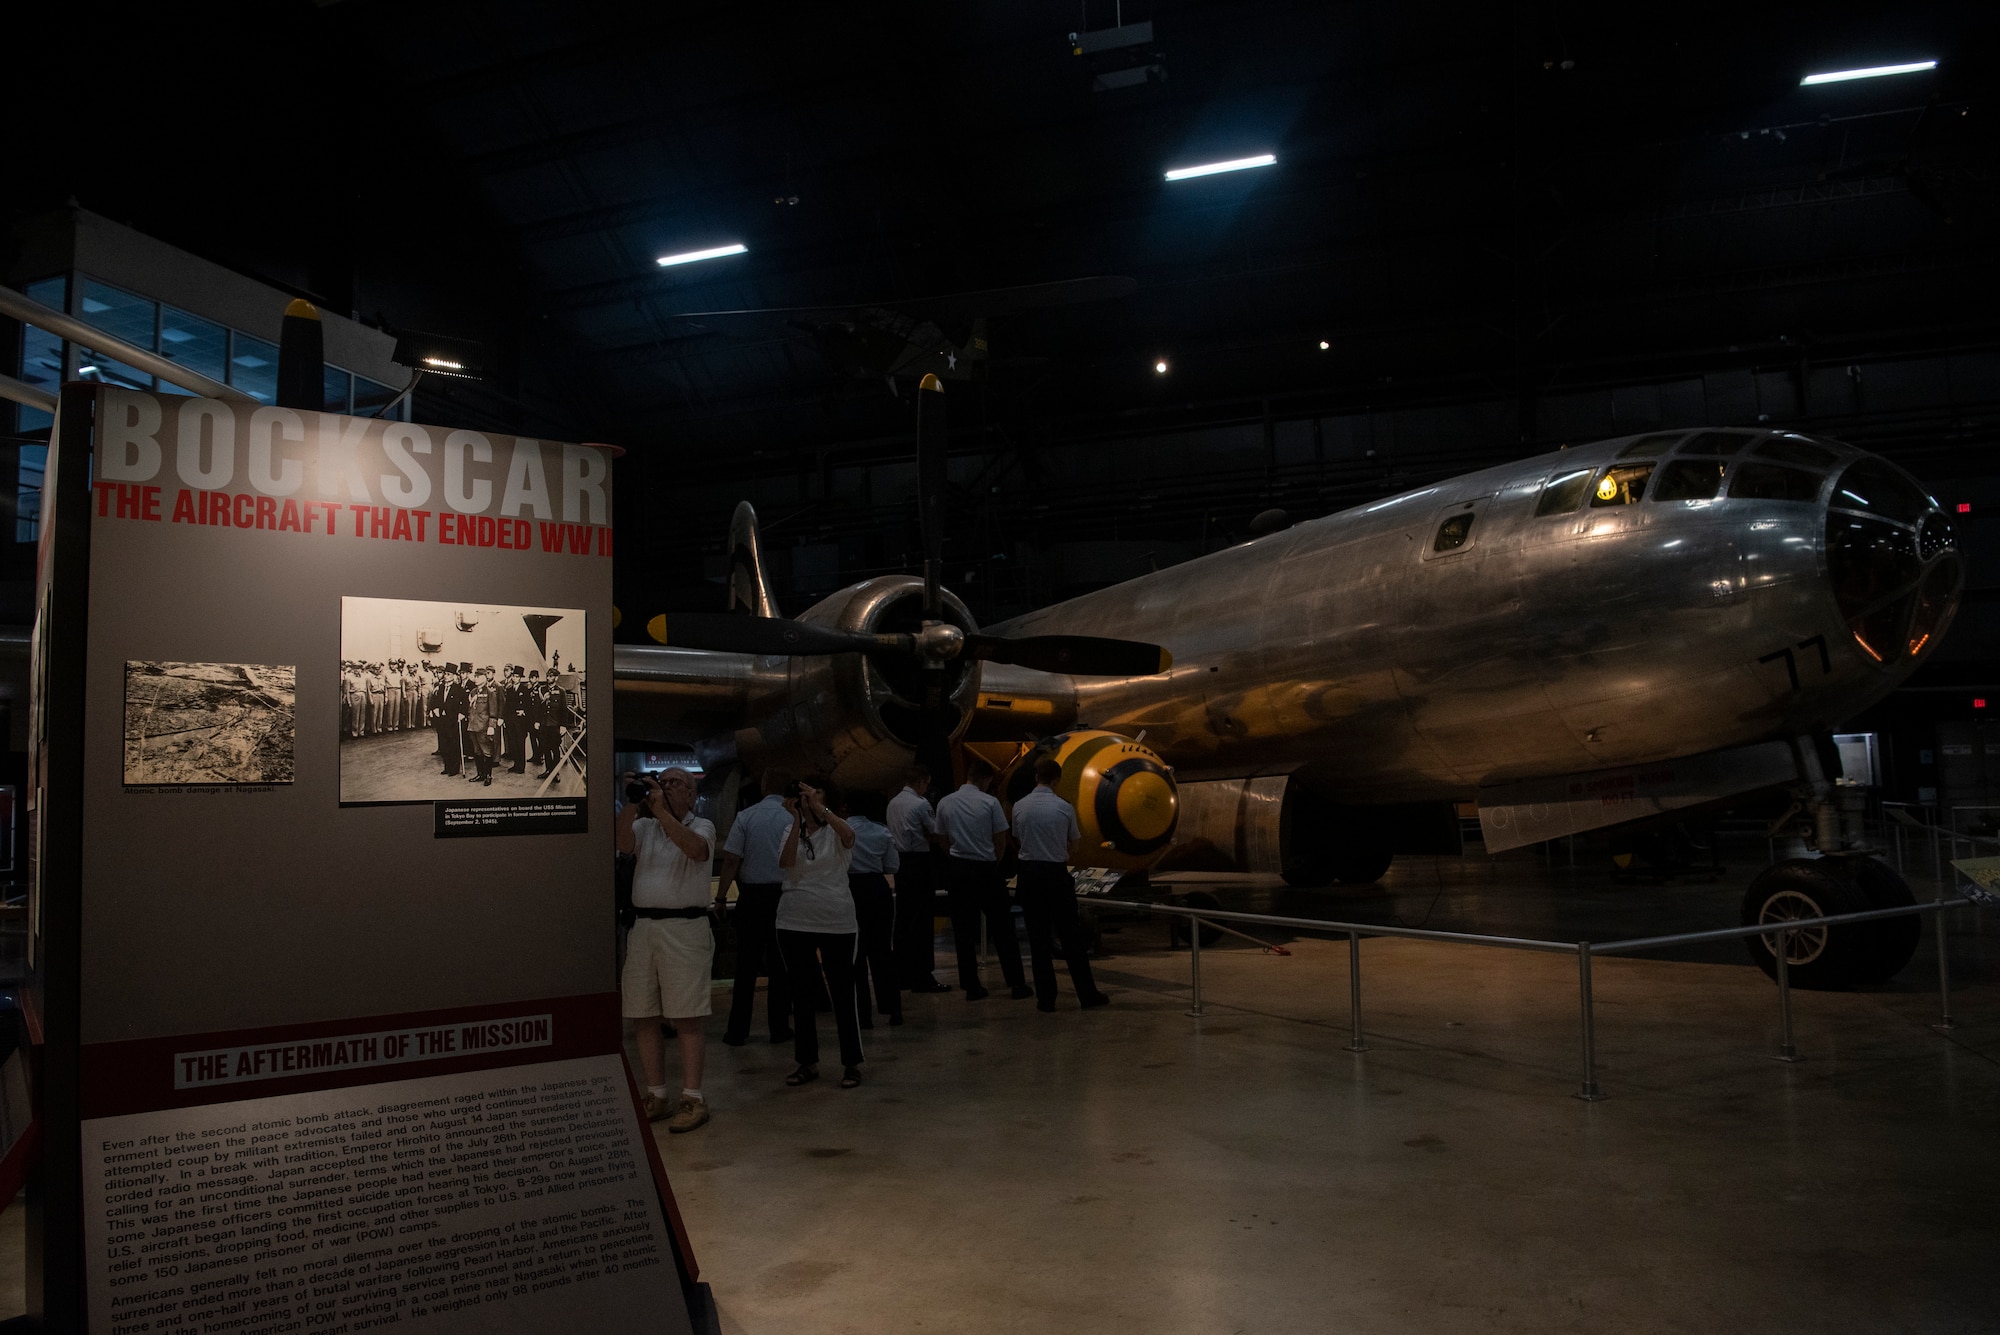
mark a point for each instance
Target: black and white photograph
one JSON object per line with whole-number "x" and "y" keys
{"x": 208, "y": 723}
{"x": 448, "y": 701}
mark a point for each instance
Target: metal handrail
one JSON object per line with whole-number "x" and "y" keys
{"x": 1587, "y": 1088}
{"x": 1324, "y": 924}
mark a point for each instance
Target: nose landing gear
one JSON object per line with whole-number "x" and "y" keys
{"x": 1846, "y": 878}
{"x": 1827, "y": 958}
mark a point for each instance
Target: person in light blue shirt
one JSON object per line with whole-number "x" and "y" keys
{"x": 1046, "y": 827}
{"x": 975, "y": 824}
{"x": 913, "y": 828}
{"x": 750, "y": 860}
{"x": 871, "y": 874}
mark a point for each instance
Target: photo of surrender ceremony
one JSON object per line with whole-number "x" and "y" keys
{"x": 435, "y": 697}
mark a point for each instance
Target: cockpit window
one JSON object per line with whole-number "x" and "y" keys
{"x": 1795, "y": 450}
{"x": 1452, "y": 533}
{"x": 1622, "y": 484}
{"x": 1651, "y": 447}
{"x": 1768, "y": 482}
{"x": 1896, "y": 568}
{"x": 1564, "y": 493}
{"x": 1936, "y": 601}
{"x": 1719, "y": 442}
{"x": 1690, "y": 480}
{"x": 1873, "y": 487}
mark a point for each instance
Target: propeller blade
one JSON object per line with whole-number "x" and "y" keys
{"x": 1076, "y": 655}
{"x": 931, "y": 490}
{"x": 733, "y": 633}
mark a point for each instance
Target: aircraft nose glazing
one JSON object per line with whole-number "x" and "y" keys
{"x": 1892, "y": 559}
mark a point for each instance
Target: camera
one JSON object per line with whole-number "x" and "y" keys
{"x": 794, "y": 789}
{"x": 637, "y": 791}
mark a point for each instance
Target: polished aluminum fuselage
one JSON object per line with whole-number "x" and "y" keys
{"x": 1351, "y": 652}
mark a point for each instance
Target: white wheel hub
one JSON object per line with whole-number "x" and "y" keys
{"x": 1805, "y": 945}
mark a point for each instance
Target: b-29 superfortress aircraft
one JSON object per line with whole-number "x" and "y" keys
{"x": 1587, "y": 638}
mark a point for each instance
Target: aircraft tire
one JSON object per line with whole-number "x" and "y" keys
{"x": 1895, "y": 938}
{"x": 1177, "y": 932}
{"x": 1362, "y": 864}
{"x": 1821, "y": 958}
{"x": 1309, "y": 873}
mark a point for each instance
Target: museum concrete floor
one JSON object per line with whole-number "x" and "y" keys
{"x": 1133, "y": 1169}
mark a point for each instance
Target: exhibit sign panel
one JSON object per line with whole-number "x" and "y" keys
{"x": 322, "y": 914}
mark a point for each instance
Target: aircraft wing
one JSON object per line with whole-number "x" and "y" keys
{"x": 686, "y": 695}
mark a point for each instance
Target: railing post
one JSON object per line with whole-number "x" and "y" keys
{"x": 1354, "y": 1044}
{"x": 1588, "y": 1090}
{"x": 1945, "y": 1022}
{"x": 1787, "y": 1052}
{"x": 1194, "y": 960}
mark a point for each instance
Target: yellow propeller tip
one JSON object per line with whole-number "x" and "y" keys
{"x": 657, "y": 628}
{"x": 930, "y": 381}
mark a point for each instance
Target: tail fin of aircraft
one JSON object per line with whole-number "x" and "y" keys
{"x": 749, "y": 586}
{"x": 975, "y": 345}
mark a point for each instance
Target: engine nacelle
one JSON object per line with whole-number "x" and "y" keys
{"x": 859, "y": 719}
{"x": 1125, "y": 797}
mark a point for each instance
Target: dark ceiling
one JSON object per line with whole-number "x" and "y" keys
{"x": 1471, "y": 202}
{"x": 1501, "y": 197}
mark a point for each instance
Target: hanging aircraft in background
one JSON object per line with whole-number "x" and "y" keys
{"x": 907, "y": 340}
{"x": 1576, "y": 641}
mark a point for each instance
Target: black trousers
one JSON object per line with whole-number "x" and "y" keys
{"x": 1048, "y": 903}
{"x": 448, "y": 739}
{"x": 755, "y": 921}
{"x": 875, "y": 912}
{"x": 810, "y": 952}
{"x": 916, "y": 913}
{"x": 976, "y": 891}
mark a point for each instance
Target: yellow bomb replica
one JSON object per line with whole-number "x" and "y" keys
{"x": 1123, "y": 795}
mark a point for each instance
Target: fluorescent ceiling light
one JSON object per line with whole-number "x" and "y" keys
{"x": 1211, "y": 168}
{"x": 691, "y": 256}
{"x": 1842, "y": 76}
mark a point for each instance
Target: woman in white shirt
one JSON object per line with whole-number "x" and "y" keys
{"x": 817, "y": 929}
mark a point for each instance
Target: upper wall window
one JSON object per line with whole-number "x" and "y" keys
{"x": 369, "y": 397}
{"x": 253, "y": 367}
{"x": 200, "y": 345}
{"x": 123, "y": 315}
{"x": 41, "y": 356}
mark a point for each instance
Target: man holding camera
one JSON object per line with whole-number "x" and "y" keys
{"x": 670, "y": 950}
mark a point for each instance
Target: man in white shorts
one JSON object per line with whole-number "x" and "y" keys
{"x": 671, "y": 948}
